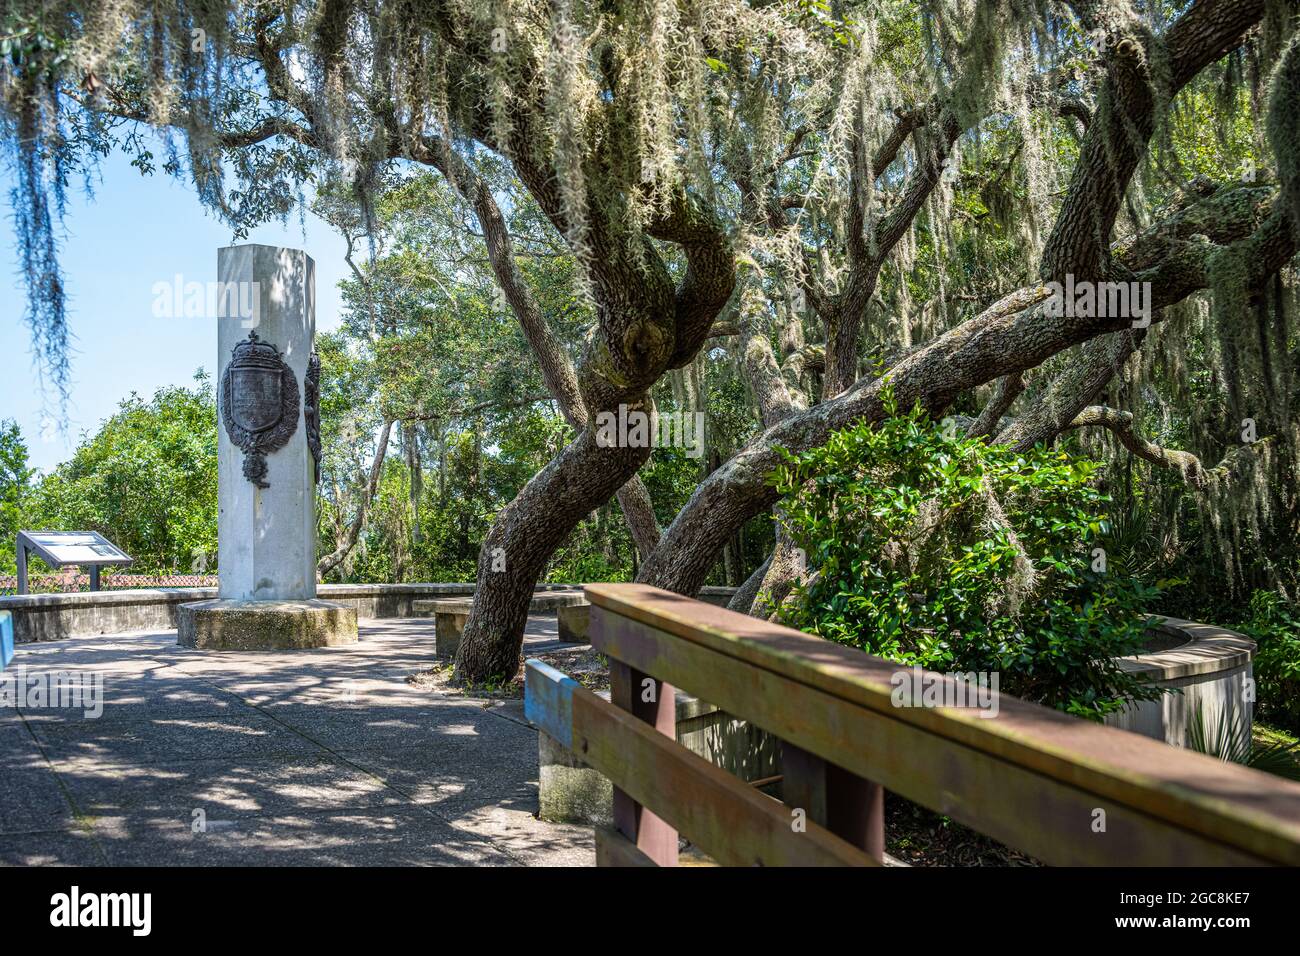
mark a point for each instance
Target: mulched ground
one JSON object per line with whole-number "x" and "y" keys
{"x": 920, "y": 837}
{"x": 586, "y": 666}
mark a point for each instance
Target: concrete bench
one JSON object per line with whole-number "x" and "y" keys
{"x": 572, "y": 612}
{"x": 575, "y": 619}
{"x": 451, "y": 614}
{"x": 575, "y": 622}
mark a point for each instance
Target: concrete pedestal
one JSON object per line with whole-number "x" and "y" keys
{"x": 575, "y": 623}
{"x": 265, "y": 625}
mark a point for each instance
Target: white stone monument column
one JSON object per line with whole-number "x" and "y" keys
{"x": 266, "y": 543}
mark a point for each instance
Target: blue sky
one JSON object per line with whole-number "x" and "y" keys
{"x": 135, "y": 232}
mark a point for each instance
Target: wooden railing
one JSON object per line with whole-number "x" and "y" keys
{"x": 1061, "y": 789}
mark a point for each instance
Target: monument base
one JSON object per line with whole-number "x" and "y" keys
{"x": 264, "y": 625}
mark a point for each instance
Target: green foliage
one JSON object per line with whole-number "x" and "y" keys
{"x": 1275, "y": 626}
{"x": 15, "y": 486}
{"x": 940, "y": 551}
{"x": 1228, "y": 738}
{"x": 1283, "y": 129}
{"x": 147, "y": 480}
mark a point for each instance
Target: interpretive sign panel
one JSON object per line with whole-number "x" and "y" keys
{"x": 59, "y": 548}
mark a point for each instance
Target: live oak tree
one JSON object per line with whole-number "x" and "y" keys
{"x": 787, "y": 178}
{"x": 432, "y": 351}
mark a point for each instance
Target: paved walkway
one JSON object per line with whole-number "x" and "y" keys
{"x": 319, "y": 758}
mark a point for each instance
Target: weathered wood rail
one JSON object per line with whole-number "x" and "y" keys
{"x": 1064, "y": 790}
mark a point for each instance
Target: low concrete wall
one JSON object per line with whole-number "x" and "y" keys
{"x": 52, "y": 617}
{"x": 717, "y": 595}
{"x": 1207, "y": 669}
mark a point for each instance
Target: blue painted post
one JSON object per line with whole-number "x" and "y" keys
{"x": 548, "y": 700}
{"x": 6, "y": 638}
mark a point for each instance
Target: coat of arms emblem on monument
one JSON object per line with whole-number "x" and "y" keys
{"x": 259, "y": 404}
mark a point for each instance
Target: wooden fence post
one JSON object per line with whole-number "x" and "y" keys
{"x": 844, "y": 803}
{"x": 654, "y": 702}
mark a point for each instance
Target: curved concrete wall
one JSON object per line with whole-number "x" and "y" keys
{"x": 52, "y": 617}
{"x": 1206, "y": 666}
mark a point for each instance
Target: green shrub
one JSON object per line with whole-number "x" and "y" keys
{"x": 1275, "y": 625}
{"x": 935, "y": 550}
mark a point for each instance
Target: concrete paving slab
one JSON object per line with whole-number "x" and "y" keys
{"x": 220, "y": 789}
{"x": 171, "y": 739}
{"x": 134, "y": 699}
{"x": 457, "y": 731}
{"x": 532, "y": 841}
{"x": 34, "y": 801}
{"x": 18, "y": 750}
{"x": 334, "y": 690}
{"x": 322, "y": 757}
{"x": 398, "y": 836}
{"x": 460, "y": 780}
{"x": 72, "y": 847}
{"x": 128, "y": 654}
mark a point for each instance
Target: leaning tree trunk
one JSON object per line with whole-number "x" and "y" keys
{"x": 786, "y": 567}
{"x": 553, "y": 361}
{"x": 744, "y": 597}
{"x": 525, "y": 534}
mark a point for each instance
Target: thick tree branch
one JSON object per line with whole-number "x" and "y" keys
{"x": 1009, "y": 389}
{"x": 1125, "y": 118}
{"x": 1081, "y": 382}
{"x": 1120, "y": 424}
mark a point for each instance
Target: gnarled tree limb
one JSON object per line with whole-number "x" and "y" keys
{"x": 1189, "y": 466}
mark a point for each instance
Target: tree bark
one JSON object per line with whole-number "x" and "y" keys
{"x": 558, "y": 374}
{"x": 1075, "y": 388}
{"x": 786, "y": 566}
{"x": 743, "y": 599}
{"x": 524, "y": 536}
{"x": 1011, "y": 336}
{"x": 1125, "y": 116}
{"x": 987, "y": 423}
